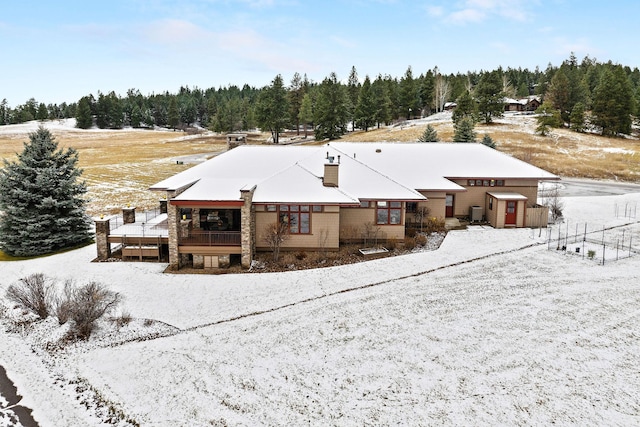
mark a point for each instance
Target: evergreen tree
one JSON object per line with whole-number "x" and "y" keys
{"x": 489, "y": 95}
{"x": 488, "y": 141}
{"x": 409, "y": 95}
{"x": 41, "y": 200}
{"x": 4, "y": 112}
{"x": 42, "y": 113}
{"x": 466, "y": 107}
{"x": 464, "y": 131}
{"x": 353, "y": 92}
{"x": 332, "y": 109}
{"x": 136, "y": 116}
{"x": 296, "y": 94}
{"x": 84, "y": 120}
{"x": 382, "y": 101}
{"x": 547, "y": 117}
{"x": 426, "y": 92}
{"x": 366, "y": 108}
{"x": 272, "y": 109}
{"x": 429, "y": 135}
{"x": 173, "y": 115}
{"x": 577, "y": 118}
{"x": 305, "y": 116}
{"x": 613, "y": 102}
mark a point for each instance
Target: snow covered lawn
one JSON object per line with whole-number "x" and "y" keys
{"x": 492, "y": 328}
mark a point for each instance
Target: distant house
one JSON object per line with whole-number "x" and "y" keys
{"x": 449, "y": 106}
{"x": 220, "y": 210}
{"x": 530, "y": 103}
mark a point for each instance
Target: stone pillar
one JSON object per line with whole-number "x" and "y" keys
{"x": 195, "y": 217}
{"x": 163, "y": 206}
{"x": 173, "y": 219}
{"x": 224, "y": 261}
{"x": 247, "y": 227}
{"x": 102, "y": 238}
{"x": 129, "y": 215}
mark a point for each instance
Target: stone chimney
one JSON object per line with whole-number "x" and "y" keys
{"x": 331, "y": 168}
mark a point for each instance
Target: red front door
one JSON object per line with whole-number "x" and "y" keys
{"x": 511, "y": 213}
{"x": 448, "y": 206}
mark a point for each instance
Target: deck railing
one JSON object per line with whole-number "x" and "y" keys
{"x": 211, "y": 238}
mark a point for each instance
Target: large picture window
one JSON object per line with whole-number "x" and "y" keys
{"x": 389, "y": 213}
{"x": 297, "y": 216}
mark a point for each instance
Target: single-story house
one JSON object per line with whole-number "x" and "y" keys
{"x": 222, "y": 209}
{"x": 530, "y": 103}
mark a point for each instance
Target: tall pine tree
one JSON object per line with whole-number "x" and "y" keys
{"x": 41, "y": 199}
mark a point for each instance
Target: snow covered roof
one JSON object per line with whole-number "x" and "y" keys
{"x": 507, "y": 195}
{"x": 423, "y": 166}
{"x": 367, "y": 171}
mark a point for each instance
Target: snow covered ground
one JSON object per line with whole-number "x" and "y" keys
{"x": 491, "y": 328}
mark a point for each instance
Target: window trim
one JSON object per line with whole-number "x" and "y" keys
{"x": 388, "y": 206}
{"x": 295, "y": 211}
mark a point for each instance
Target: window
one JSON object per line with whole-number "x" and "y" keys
{"x": 389, "y": 213}
{"x": 471, "y": 182}
{"x": 490, "y": 203}
{"x": 500, "y": 182}
{"x": 317, "y": 208}
{"x": 412, "y": 206}
{"x": 271, "y": 208}
{"x": 297, "y": 216}
{"x": 364, "y": 204}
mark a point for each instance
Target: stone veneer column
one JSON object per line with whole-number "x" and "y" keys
{"x": 173, "y": 221}
{"x": 102, "y": 238}
{"x": 247, "y": 227}
{"x": 129, "y": 215}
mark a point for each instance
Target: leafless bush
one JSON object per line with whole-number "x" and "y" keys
{"x": 409, "y": 243}
{"x": 551, "y": 197}
{"x": 34, "y": 293}
{"x": 89, "y": 303}
{"x": 63, "y": 303}
{"x": 275, "y": 234}
{"x": 421, "y": 240}
{"x": 122, "y": 320}
{"x": 420, "y": 215}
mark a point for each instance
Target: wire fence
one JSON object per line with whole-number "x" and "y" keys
{"x": 598, "y": 243}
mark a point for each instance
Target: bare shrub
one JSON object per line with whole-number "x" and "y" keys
{"x": 420, "y": 215}
{"x": 551, "y": 197}
{"x": 275, "y": 234}
{"x": 392, "y": 244}
{"x": 89, "y": 303}
{"x": 421, "y": 240}
{"x": 409, "y": 243}
{"x": 122, "y": 320}
{"x": 34, "y": 293}
{"x": 434, "y": 225}
{"x": 410, "y": 232}
{"x": 63, "y": 304}
{"x": 301, "y": 255}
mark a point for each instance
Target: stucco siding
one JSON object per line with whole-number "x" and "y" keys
{"x": 324, "y": 231}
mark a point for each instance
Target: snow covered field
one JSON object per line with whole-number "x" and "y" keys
{"x": 491, "y": 328}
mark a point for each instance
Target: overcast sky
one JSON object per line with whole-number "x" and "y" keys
{"x": 59, "y": 51}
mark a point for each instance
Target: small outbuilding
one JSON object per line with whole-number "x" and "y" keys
{"x": 506, "y": 209}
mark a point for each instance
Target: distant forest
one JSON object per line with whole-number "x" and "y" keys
{"x": 605, "y": 96}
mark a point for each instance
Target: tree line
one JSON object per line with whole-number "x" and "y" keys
{"x": 576, "y": 94}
